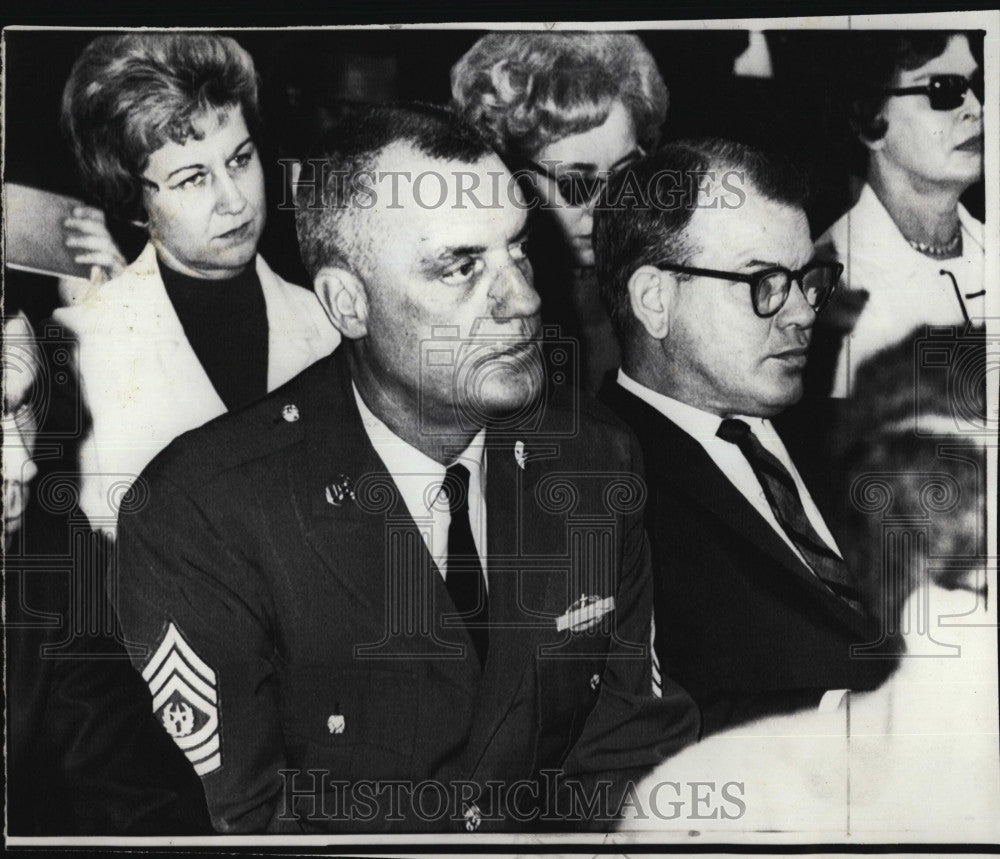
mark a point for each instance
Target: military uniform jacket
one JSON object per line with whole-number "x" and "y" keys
{"x": 293, "y": 619}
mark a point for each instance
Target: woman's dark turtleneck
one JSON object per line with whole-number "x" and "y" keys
{"x": 226, "y": 323}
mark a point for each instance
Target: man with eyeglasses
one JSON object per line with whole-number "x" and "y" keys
{"x": 913, "y": 254}
{"x": 714, "y": 297}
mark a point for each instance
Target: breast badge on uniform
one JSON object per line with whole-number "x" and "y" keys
{"x": 185, "y": 699}
{"x": 585, "y": 613}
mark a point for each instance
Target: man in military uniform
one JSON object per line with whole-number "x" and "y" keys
{"x": 406, "y": 568}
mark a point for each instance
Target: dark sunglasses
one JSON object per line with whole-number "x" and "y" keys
{"x": 946, "y": 92}
{"x": 577, "y": 187}
{"x": 770, "y": 287}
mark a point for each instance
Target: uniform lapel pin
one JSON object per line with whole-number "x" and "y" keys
{"x": 340, "y": 491}
{"x": 520, "y": 456}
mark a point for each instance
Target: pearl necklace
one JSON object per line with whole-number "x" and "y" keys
{"x": 938, "y": 250}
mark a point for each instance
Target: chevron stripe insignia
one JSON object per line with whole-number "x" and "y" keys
{"x": 185, "y": 699}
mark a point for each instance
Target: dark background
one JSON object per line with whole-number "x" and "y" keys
{"x": 308, "y": 77}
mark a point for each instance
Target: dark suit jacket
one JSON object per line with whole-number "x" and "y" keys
{"x": 281, "y": 551}
{"x": 84, "y": 754}
{"x": 741, "y": 622}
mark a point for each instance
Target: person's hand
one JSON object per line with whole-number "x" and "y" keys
{"x": 87, "y": 234}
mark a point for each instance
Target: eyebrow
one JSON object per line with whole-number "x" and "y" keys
{"x": 763, "y": 264}
{"x": 631, "y": 156}
{"x": 473, "y": 250}
{"x": 200, "y": 166}
{"x": 589, "y": 165}
{"x": 928, "y": 75}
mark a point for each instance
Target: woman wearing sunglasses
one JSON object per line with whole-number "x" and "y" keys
{"x": 912, "y": 253}
{"x": 565, "y": 110}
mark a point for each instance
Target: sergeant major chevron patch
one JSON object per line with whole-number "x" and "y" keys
{"x": 185, "y": 698}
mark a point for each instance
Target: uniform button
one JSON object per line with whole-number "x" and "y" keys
{"x": 473, "y": 818}
{"x": 290, "y": 413}
{"x": 595, "y": 681}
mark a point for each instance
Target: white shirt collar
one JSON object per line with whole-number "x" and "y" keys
{"x": 402, "y": 459}
{"x": 702, "y": 427}
{"x": 420, "y": 478}
{"x": 697, "y": 423}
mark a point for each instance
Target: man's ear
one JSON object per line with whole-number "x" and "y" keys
{"x": 650, "y": 293}
{"x": 343, "y": 296}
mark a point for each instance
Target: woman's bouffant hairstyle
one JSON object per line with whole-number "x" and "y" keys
{"x": 129, "y": 94}
{"x": 526, "y": 90}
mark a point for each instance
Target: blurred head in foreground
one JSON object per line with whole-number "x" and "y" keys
{"x": 913, "y": 452}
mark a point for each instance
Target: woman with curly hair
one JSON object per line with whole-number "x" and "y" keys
{"x": 565, "y": 110}
{"x": 164, "y": 128}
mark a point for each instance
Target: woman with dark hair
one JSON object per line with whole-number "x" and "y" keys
{"x": 565, "y": 109}
{"x": 912, "y": 253}
{"x": 163, "y": 126}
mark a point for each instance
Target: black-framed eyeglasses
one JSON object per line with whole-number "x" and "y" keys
{"x": 946, "y": 92}
{"x": 577, "y": 187}
{"x": 770, "y": 287}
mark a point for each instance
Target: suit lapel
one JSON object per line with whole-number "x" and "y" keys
{"x": 675, "y": 459}
{"x": 364, "y": 535}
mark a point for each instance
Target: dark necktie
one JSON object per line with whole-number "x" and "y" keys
{"x": 464, "y": 578}
{"x": 783, "y": 496}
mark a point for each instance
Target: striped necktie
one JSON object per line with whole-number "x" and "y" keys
{"x": 783, "y": 496}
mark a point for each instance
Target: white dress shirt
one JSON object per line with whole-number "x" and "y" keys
{"x": 702, "y": 427}
{"x": 420, "y": 479}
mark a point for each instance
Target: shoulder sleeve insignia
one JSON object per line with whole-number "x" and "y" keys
{"x": 185, "y": 699}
